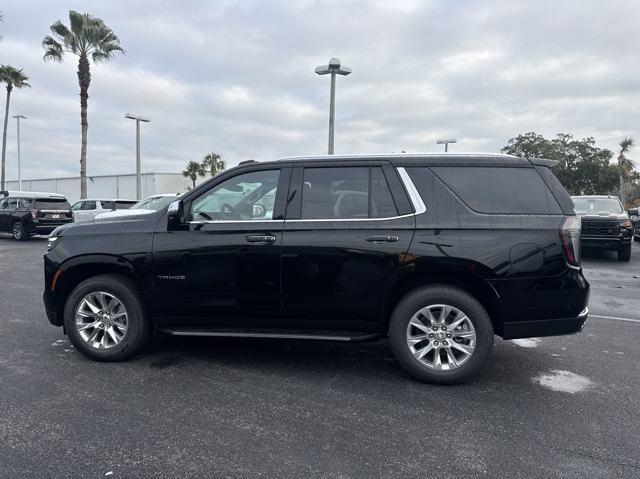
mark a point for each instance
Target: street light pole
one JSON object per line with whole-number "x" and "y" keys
{"x": 138, "y": 119}
{"x": 446, "y": 143}
{"x": 18, "y": 118}
{"x": 333, "y": 68}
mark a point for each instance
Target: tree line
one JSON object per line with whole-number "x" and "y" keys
{"x": 583, "y": 168}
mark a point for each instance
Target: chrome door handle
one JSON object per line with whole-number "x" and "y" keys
{"x": 381, "y": 239}
{"x": 260, "y": 238}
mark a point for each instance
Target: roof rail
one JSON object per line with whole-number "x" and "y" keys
{"x": 246, "y": 162}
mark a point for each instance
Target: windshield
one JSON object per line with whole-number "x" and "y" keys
{"x": 154, "y": 203}
{"x": 597, "y": 205}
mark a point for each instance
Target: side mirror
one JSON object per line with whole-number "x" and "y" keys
{"x": 175, "y": 216}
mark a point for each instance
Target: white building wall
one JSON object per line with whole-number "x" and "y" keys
{"x": 108, "y": 186}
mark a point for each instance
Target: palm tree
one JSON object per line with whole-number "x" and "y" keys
{"x": 87, "y": 37}
{"x": 194, "y": 169}
{"x": 625, "y": 165}
{"x": 214, "y": 163}
{"x": 14, "y": 78}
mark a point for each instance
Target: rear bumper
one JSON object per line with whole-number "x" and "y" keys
{"x": 44, "y": 228}
{"x": 545, "y": 327}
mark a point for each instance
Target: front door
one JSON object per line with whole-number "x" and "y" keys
{"x": 224, "y": 268}
{"x": 345, "y": 238}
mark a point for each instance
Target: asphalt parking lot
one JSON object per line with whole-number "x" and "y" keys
{"x": 552, "y": 407}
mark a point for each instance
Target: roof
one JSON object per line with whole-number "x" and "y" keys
{"x": 397, "y": 156}
{"x": 34, "y": 194}
{"x": 107, "y": 199}
{"x": 595, "y": 197}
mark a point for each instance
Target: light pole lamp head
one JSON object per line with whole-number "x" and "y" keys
{"x": 334, "y": 67}
{"x": 137, "y": 117}
{"x": 21, "y": 117}
{"x": 449, "y": 140}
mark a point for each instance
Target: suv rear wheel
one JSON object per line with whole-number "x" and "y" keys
{"x": 105, "y": 319}
{"x": 440, "y": 334}
{"x": 19, "y": 232}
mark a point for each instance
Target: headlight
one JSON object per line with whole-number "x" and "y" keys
{"x": 51, "y": 242}
{"x": 625, "y": 223}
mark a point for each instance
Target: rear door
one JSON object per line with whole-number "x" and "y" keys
{"x": 345, "y": 237}
{"x": 7, "y": 207}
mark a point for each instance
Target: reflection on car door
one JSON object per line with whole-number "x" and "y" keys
{"x": 224, "y": 268}
{"x": 345, "y": 237}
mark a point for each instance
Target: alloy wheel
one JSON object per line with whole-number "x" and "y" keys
{"x": 441, "y": 337}
{"x": 101, "y": 320}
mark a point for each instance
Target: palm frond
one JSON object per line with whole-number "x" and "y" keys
{"x": 53, "y": 50}
{"x": 13, "y": 77}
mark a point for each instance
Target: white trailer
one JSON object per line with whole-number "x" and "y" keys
{"x": 108, "y": 186}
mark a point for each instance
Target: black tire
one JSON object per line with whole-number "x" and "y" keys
{"x": 433, "y": 295}
{"x": 139, "y": 327}
{"x": 18, "y": 231}
{"x": 624, "y": 253}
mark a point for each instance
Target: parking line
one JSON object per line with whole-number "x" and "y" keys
{"x": 614, "y": 317}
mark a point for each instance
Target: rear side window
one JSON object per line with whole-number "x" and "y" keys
{"x": 124, "y": 205}
{"x": 346, "y": 193}
{"x": 500, "y": 190}
{"x": 556, "y": 188}
{"x": 52, "y": 204}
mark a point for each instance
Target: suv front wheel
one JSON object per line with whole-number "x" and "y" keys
{"x": 440, "y": 334}
{"x": 105, "y": 319}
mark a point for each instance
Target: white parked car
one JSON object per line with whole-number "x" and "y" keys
{"x": 86, "y": 210}
{"x": 148, "y": 205}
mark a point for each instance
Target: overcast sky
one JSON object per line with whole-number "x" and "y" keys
{"x": 237, "y": 78}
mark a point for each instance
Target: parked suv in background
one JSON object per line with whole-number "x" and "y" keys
{"x": 25, "y": 214}
{"x": 435, "y": 252}
{"x": 86, "y": 210}
{"x": 605, "y": 224}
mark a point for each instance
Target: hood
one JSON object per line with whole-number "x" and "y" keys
{"x": 121, "y": 213}
{"x": 604, "y": 215}
{"x": 107, "y": 224}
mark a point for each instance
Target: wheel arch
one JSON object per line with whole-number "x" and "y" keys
{"x": 76, "y": 270}
{"x": 476, "y": 286}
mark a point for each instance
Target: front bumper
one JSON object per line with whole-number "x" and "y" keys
{"x": 605, "y": 242}
{"x": 545, "y": 327}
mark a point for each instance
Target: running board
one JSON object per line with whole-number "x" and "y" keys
{"x": 348, "y": 336}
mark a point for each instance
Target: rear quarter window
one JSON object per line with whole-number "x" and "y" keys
{"x": 499, "y": 190}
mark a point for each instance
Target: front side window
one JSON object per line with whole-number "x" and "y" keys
{"x": 77, "y": 206}
{"x": 346, "y": 193}
{"x": 89, "y": 205}
{"x": 249, "y": 196}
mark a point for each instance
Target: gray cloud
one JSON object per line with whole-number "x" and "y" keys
{"x": 237, "y": 78}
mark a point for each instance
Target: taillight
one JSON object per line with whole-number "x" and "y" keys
{"x": 34, "y": 214}
{"x": 570, "y": 235}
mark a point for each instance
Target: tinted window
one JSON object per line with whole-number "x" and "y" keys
{"x": 123, "y": 205}
{"x": 89, "y": 205}
{"x": 52, "y": 204}
{"x": 499, "y": 190}
{"x": 11, "y": 203}
{"x": 249, "y": 196}
{"x": 382, "y": 205}
{"x": 329, "y": 193}
{"x": 556, "y": 188}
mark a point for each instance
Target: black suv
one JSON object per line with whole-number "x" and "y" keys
{"x": 435, "y": 252}
{"x": 605, "y": 224}
{"x": 25, "y": 214}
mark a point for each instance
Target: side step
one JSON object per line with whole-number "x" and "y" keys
{"x": 349, "y": 336}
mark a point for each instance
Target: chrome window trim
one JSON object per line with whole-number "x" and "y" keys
{"x": 414, "y": 196}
